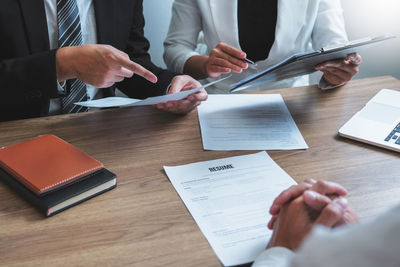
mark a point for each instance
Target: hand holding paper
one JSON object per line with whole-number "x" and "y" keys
{"x": 110, "y": 102}
{"x": 337, "y": 60}
{"x": 340, "y": 71}
{"x": 184, "y": 83}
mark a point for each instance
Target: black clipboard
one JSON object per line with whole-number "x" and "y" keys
{"x": 304, "y": 63}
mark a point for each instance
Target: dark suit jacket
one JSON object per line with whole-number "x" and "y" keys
{"x": 28, "y": 66}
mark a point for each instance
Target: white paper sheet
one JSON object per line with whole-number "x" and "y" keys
{"x": 110, "y": 102}
{"x": 248, "y": 122}
{"x": 229, "y": 199}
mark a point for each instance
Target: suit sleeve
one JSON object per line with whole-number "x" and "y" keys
{"x": 29, "y": 78}
{"x": 184, "y": 29}
{"x": 137, "y": 49}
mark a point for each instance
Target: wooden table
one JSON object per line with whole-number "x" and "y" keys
{"x": 143, "y": 222}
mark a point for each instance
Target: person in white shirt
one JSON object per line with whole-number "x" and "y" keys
{"x": 266, "y": 32}
{"x": 313, "y": 230}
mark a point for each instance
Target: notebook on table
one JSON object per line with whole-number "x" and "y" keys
{"x": 378, "y": 123}
{"x": 53, "y": 203}
{"x": 52, "y": 174}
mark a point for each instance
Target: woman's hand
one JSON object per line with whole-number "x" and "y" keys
{"x": 224, "y": 59}
{"x": 337, "y": 72}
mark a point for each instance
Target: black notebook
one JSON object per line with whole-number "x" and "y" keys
{"x": 55, "y": 202}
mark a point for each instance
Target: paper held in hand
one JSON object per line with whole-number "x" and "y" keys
{"x": 304, "y": 63}
{"x": 110, "y": 102}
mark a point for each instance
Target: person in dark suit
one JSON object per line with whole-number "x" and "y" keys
{"x": 56, "y": 52}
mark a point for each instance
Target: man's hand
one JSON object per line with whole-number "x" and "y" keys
{"x": 182, "y": 83}
{"x": 340, "y": 71}
{"x": 224, "y": 59}
{"x": 329, "y": 189}
{"x": 294, "y": 222}
{"x": 98, "y": 65}
{"x": 317, "y": 202}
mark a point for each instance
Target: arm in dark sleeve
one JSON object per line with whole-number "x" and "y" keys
{"x": 137, "y": 49}
{"x": 29, "y": 78}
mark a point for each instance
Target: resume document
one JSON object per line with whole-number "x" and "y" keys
{"x": 229, "y": 200}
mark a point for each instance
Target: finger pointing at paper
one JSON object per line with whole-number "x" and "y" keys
{"x": 183, "y": 83}
{"x": 337, "y": 72}
{"x": 99, "y": 65}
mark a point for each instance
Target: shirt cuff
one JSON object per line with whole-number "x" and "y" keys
{"x": 167, "y": 90}
{"x": 61, "y": 87}
{"x": 275, "y": 256}
{"x": 324, "y": 85}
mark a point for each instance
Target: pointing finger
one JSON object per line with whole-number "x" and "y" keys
{"x": 136, "y": 68}
{"x": 139, "y": 70}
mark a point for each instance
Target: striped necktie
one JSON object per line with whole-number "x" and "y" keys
{"x": 69, "y": 34}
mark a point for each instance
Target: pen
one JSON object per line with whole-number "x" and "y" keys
{"x": 249, "y": 61}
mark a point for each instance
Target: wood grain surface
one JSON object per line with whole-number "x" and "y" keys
{"x": 143, "y": 222}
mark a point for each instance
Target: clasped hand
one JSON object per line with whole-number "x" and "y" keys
{"x": 298, "y": 209}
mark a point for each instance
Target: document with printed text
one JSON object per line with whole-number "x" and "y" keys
{"x": 229, "y": 199}
{"x": 248, "y": 122}
{"x": 110, "y": 102}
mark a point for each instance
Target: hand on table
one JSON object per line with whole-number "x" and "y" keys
{"x": 182, "y": 83}
{"x": 98, "y": 65}
{"x": 329, "y": 189}
{"x": 340, "y": 71}
{"x": 224, "y": 59}
{"x": 294, "y": 223}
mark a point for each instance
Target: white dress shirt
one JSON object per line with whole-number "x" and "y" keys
{"x": 371, "y": 244}
{"x": 89, "y": 36}
{"x": 302, "y": 26}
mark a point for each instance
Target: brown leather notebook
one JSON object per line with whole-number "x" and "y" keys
{"x": 46, "y": 163}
